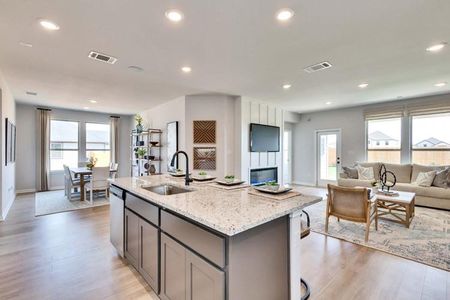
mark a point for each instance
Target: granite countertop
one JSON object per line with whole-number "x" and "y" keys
{"x": 227, "y": 211}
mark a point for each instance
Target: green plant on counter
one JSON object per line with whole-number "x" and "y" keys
{"x": 229, "y": 177}
{"x": 271, "y": 183}
{"x": 202, "y": 173}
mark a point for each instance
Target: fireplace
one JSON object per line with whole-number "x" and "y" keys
{"x": 263, "y": 175}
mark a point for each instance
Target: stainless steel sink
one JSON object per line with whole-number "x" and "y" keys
{"x": 166, "y": 189}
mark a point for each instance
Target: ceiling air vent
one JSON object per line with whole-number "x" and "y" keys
{"x": 102, "y": 57}
{"x": 317, "y": 67}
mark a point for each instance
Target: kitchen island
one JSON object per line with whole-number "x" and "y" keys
{"x": 209, "y": 243}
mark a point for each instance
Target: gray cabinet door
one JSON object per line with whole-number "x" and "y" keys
{"x": 203, "y": 281}
{"x": 132, "y": 238}
{"x": 148, "y": 263}
{"x": 173, "y": 270}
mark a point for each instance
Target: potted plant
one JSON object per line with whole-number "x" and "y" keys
{"x": 141, "y": 152}
{"x": 272, "y": 185}
{"x": 91, "y": 161}
{"x": 229, "y": 178}
{"x": 202, "y": 174}
{"x": 139, "y": 126}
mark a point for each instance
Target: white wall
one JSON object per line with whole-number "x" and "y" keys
{"x": 352, "y": 124}
{"x": 158, "y": 118}
{"x": 26, "y": 143}
{"x": 7, "y": 173}
{"x": 221, "y": 109}
{"x": 252, "y": 111}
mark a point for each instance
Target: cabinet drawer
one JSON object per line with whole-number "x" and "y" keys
{"x": 204, "y": 242}
{"x": 143, "y": 208}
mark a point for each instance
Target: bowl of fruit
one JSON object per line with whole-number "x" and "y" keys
{"x": 229, "y": 178}
{"x": 272, "y": 185}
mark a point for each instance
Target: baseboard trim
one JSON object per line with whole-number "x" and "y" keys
{"x": 25, "y": 191}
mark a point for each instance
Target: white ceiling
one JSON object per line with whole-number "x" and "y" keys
{"x": 234, "y": 47}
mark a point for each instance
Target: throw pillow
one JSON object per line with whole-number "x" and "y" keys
{"x": 441, "y": 178}
{"x": 365, "y": 173}
{"x": 425, "y": 178}
{"x": 351, "y": 173}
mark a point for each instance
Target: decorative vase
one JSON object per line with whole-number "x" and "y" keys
{"x": 152, "y": 169}
{"x": 139, "y": 128}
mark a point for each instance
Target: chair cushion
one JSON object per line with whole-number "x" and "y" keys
{"x": 432, "y": 191}
{"x": 401, "y": 172}
{"x": 349, "y": 182}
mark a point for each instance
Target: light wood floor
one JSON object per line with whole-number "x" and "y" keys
{"x": 68, "y": 256}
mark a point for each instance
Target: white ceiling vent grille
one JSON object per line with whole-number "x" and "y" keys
{"x": 318, "y": 67}
{"x": 102, "y": 57}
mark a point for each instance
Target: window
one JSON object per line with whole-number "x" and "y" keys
{"x": 384, "y": 140}
{"x": 97, "y": 143}
{"x": 63, "y": 144}
{"x": 431, "y": 139}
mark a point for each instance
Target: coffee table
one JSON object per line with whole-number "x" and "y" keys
{"x": 399, "y": 208}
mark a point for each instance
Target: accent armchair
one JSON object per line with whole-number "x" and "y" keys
{"x": 351, "y": 204}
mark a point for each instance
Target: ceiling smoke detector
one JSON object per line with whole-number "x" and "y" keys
{"x": 318, "y": 67}
{"x": 102, "y": 57}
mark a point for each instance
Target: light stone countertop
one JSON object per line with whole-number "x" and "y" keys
{"x": 227, "y": 211}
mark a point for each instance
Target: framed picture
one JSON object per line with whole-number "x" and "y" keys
{"x": 10, "y": 142}
{"x": 172, "y": 143}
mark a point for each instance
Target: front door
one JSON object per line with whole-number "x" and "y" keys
{"x": 328, "y": 156}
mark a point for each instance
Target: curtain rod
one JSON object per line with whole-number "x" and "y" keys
{"x": 40, "y": 108}
{"x": 115, "y": 117}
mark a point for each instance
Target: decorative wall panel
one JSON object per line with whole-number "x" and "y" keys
{"x": 204, "y": 132}
{"x": 204, "y": 158}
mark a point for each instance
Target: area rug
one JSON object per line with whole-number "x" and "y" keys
{"x": 53, "y": 202}
{"x": 426, "y": 241}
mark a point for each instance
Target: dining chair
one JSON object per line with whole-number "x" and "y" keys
{"x": 99, "y": 182}
{"x": 113, "y": 167}
{"x": 351, "y": 204}
{"x": 69, "y": 183}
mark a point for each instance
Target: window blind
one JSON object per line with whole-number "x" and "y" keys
{"x": 384, "y": 113}
{"x": 429, "y": 109}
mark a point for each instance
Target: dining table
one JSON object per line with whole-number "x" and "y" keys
{"x": 82, "y": 173}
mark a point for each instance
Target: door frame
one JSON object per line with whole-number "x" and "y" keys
{"x": 338, "y": 131}
{"x": 291, "y": 155}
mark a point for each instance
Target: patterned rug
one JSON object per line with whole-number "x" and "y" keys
{"x": 426, "y": 241}
{"x": 53, "y": 202}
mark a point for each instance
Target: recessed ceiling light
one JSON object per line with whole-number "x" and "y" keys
{"x": 363, "y": 85}
{"x": 285, "y": 14}
{"x": 85, "y": 108}
{"x": 437, "y": 47}
{"x": 93, "y": 101}
{"x": 136, "y": 68}
{"x": 440, "y": 84}
{"x": 24, "y": 44}
{"x": 286, "y": 86}
{"x": 328, "y": 103}
{"x": 49, "y": 25}
{"x": 186, "y": 69}
{"x": 174, "y": 15}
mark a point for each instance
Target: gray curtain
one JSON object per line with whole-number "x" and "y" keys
{"x": 43, "y": 149}
{"x": 114, "y": 121}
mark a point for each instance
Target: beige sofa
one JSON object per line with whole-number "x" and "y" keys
{"x": 435, "y": 197}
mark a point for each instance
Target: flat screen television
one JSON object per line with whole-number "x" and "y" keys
{"x": 264, "y": 138}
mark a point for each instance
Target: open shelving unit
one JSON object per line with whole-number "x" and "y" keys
{"x": 140, "y": 166}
